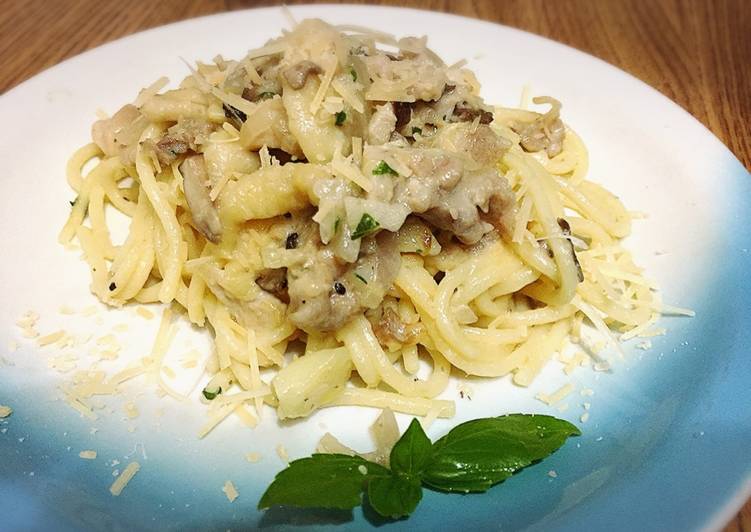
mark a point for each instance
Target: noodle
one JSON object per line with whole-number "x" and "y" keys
{"x": 242, "y": 239}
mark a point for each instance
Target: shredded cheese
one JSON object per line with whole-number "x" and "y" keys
{"x": 557, "y": 396}
{"x": 121, "y": 481}
{"x": 144, "y": 313}
{"x": 281, "y": 451}
{"x": 5, "y": 411}
{"x": 324, "y": 87}
{"x": 252, "y": 457}
{"x": 230, "y": 491}
{"x": 87, "y": 455}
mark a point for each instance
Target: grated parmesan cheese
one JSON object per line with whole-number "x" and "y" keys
{"x": 5, "y": 411}
{"x": 122, "y": 480}
{"x": 281, "y": 451}
{"x": 130, "y": 410}
{"x": 144, "y": 313}
{"x": 253, "y": 457}
{"x": 230, "y": 491}
{"x": 557, "y": 396}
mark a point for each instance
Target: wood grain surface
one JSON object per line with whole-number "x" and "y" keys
{"x": 696, "y": 52}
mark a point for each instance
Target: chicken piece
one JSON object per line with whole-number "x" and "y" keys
{"x": 478, "y": 143}
{"x": 460, "y": 209}
{"x": 325, "y": 293}
{"x": 381, "y": 125}
{"x": 456, "y": 193}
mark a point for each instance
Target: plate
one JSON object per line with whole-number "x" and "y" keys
{"x": 666, "y": 443}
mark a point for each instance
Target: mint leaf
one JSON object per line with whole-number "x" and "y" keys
{"x": 477, "y": 454}
{"x": 365, "y": 226}
{"x": 394, "y": 496}
{"x": 322, "y": 481}
{"x": 383, "y": 168}
{"x": 411, "y": 452}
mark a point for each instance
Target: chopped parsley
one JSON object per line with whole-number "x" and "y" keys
{"x": 266, "y": 95}
{"x": 383, "y": 168}
{"x": 353, "y": 73}
{"x": 211, "y": 394}
{"x": 73, "y": 203}
{"x": 337, "y": 223}
{"x": 416, "y": 130}
{"x": 341, "y": 116}
{"x": 365, "y": 226}
{"x": 360, "y": 277}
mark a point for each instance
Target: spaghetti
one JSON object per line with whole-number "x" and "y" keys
{"x": 342, "y": 206}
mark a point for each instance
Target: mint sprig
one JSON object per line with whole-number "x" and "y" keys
{"x": 472, "y": 457}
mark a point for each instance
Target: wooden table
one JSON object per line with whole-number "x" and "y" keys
{"x": 697, "y": 52}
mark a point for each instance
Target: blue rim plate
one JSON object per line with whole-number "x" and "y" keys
{"x": 666, "y": 445}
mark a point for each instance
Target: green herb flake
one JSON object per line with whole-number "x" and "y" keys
{"x": 73, "y": 203}
{"x": 210, "y": 395}
{"x": 416, "y": 131}
{"x": 365, "y": 226}
{"x": 341, "y": 116}
{"x": 266, "y": 95}
{"x": 383, "y": 168}
{"x": 472, "y": 457}
{"x": 361, "y": 278}
{"x": 353, "y": 73}
{"x": 337, "y": 223}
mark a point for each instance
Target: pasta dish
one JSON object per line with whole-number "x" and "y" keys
{"x": 353, "y": 223}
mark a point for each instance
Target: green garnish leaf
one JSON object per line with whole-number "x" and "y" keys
{"x": 470, "y": 458}
{"x": 383, "y": 168}
{"x": 341, "y": 116}
{"x": 337, "y": 223}
{"x": 477, "y": 454}
{"x": 212, "y": 393}
{"x": 266, "y": 95}
{"x": 410, "y": 454}
{"x": 361, "y": 278}
{"x": 322, "y": 481}
{"x": 365, "y": 226}
{"x": 394, "y": 496}
{"x": 417, "y": 130}
{"x": 353, "y": 73}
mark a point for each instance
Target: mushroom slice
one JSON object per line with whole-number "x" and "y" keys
{"x": 202, "y": 209}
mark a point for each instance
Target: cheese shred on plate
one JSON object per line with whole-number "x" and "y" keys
{"x": 120, "y": 482}
{"x": 230, "y": 491}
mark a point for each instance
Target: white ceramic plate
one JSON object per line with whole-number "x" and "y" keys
{"x": 666, "y": 444}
